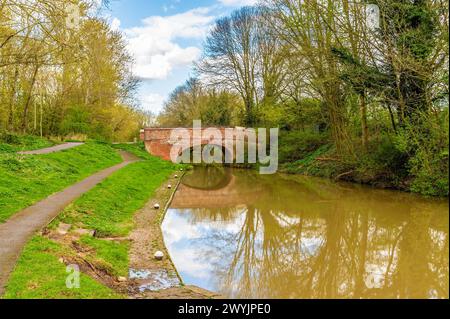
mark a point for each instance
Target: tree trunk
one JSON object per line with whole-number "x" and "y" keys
{"x": 364, "y": 129}
{"x": 391, "y": 114}
{"x": 27, "y": 103}
{"x": 12, "y": 100}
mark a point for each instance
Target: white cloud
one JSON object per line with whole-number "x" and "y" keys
{"x": 177, "y": 228}
{"x": 154, "y": 44}
{"x": 152, "y": 102}
{"x": 95, "y": 7}
{"x": 184, "y": 242}
{"x": 187, "y": 260}
{"x": 238, "y": 3}
{"x": 115, "y": 24}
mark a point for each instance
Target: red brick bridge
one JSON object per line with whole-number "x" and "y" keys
{"x": 158, "y": 141}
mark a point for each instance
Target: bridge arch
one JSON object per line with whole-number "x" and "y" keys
{"x": 225, "y": 151}
{"x": 158, "y": 140}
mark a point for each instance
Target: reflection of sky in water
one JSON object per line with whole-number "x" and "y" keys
{"x": 202, "y": 250}
{"x": 203, "y": 247}
{"x": 186, "y": 240}
{"x": 308, "y": 239}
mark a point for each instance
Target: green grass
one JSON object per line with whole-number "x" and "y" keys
{"x": 137, "y": 149}
{"x": 108, "y": 208}
{"x": 14, "y": 143}
{"x": 113, "y": 256}
{"x": 310, "y": 166}
{"x": 26, "y": 179}
{"x": 39, "y": 275}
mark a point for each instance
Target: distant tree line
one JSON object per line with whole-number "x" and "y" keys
{"x": 63, "y": 71}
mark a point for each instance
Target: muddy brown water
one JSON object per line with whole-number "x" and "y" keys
{"x": 245, "y": 235}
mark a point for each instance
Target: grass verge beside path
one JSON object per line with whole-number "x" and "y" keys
{"x": 26, "y": 179}
{"x": 108, "y": 209}
{"x": 137, "y": 149}
{"x": 15, "y": 143}
{"x": 40, "y": 275}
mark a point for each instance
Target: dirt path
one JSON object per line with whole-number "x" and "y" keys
{"x": 52, "y": 149}
{"x": 17, "y": 230}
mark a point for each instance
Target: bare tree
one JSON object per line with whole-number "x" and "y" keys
{"x": 231, "y": 57}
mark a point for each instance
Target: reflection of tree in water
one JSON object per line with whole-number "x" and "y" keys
{"x": 337, "y": 249}
{"x": 422, "y": 258}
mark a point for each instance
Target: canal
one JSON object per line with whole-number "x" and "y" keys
{"x": 246, "y": 235}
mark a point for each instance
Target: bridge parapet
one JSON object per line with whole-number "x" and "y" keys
{"x": 158, "y": 140}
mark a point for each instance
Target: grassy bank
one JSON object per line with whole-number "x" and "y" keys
{"x": 26, "y": 179}
{"x": 41, "y": 274}
{"x": 108, "y": 210}
{"x": 385, "y": 163}
{"x": 16, "y": 143}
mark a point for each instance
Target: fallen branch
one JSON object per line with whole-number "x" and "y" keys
{"x": 344, "y": 174}
{"x": 327, "y": 159}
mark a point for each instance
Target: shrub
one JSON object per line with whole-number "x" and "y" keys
{"x": 427, "y": 144}
{"x": 384, "y": 155}
{"x": 76, "y": 121}
{"x": 295, "y": 145}
{"x": 9, "y": 138}
{"x": 10, "y": 142}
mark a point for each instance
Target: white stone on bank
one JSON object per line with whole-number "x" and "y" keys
{"x": 159, "y": 255}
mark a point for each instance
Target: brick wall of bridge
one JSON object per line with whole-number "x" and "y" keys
{"x": 157, "y": 140}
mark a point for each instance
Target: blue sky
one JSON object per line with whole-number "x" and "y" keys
{"x": 165, "y": 37}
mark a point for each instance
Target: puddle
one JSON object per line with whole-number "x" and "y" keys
{"x": 154, "y": 280}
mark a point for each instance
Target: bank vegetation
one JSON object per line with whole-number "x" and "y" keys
{"x": 359, "y": 91}
{"x": 64, "y": 72}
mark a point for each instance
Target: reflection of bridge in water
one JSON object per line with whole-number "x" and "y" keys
{"x": 228, "y": 196}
